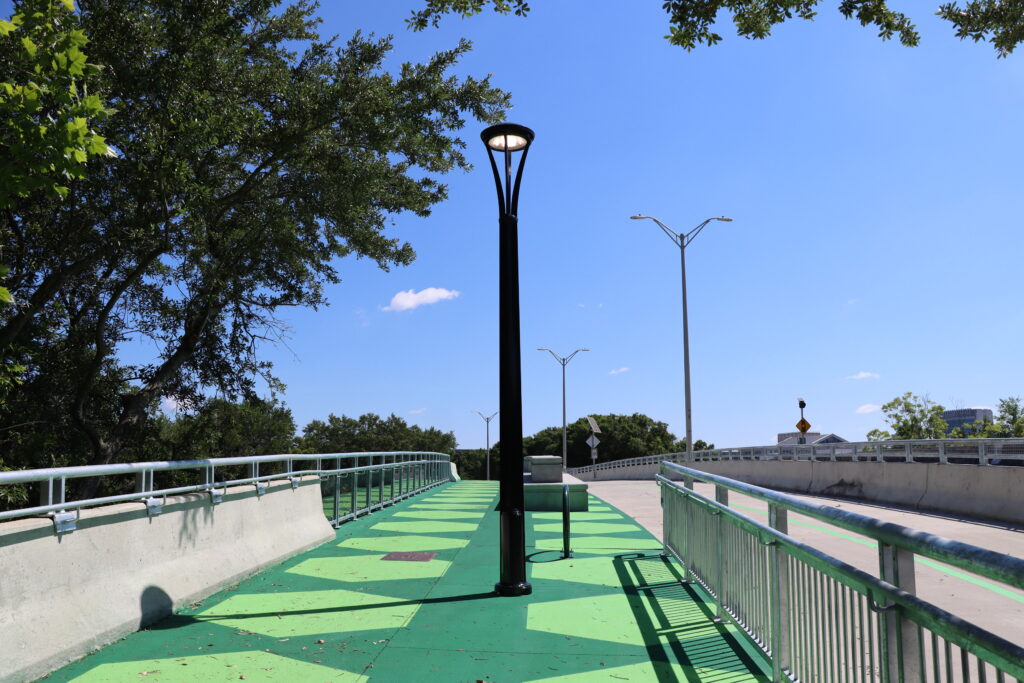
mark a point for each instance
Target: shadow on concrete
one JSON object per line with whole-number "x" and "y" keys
{"x": 181, "y": 620}
{"x": 154, "y": 605}
{"x": 675, "y": 615}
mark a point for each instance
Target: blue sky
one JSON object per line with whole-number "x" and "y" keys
{"x": 875, "y": 192}
{"x": 875, "y": 247}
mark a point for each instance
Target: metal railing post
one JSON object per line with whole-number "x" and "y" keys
{"x": 355, "y": 488}
{"x": 393, "y": 471}
{"x": 721, "y": 496}
{"x": 778, "y": 519}
{"x": 902, "y": 649}
{"x": 337, "y": 492}
{"x": 566, "y": 551}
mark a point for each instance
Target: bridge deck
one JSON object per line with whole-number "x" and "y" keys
{"x": 615, "y": 611}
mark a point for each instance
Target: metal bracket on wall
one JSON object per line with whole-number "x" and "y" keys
{"x": 65, "y": 521}
{"x": 154, "y": 506}
{"x": 216, "y": 496}
{"x": 261, "y": 488}
{"x": 294, "y": 481}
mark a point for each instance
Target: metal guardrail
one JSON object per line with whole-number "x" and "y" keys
{"x": 351, "y": 483}
{"x": 820, "y": 619}
{"x": 998, "y": 452}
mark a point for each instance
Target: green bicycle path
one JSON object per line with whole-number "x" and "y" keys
{"x": 615, "y": 611}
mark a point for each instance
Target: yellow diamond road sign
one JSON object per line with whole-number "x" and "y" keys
{"x": 803, "y": 425}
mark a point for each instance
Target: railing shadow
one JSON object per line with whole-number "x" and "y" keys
{"x": 677, "y": 623}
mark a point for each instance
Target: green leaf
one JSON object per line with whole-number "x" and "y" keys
{"x": 97, "y": 145}
{"x": 70, "y": 4}
{"x": 5, "y": 296}
{"x": 6, "y": 27}
{"x": 29, "y": 46}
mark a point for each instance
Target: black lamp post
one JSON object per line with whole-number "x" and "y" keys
{"x": 509, "y": 138}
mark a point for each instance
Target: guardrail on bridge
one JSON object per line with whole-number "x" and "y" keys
{"x": 820, "y": 619}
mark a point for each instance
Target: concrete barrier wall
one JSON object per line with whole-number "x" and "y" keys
{"x": 63, "y": 596}
{"x": 988, "y": 492}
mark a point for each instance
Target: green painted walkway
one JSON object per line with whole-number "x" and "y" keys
{"x": 614, "y": 612}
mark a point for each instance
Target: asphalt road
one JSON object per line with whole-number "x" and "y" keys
{"x": 992, "y": 606}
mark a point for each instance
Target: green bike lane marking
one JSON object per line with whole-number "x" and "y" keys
{"x": 338, "y": 613}
{"x": 955, "y": 573}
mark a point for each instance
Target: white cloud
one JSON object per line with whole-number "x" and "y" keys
{"x": 868, "y": 408}
{"x": 864, "y": 375}
{"x": 581, "y": 305}
{"x": 169, "y": 404}
{"x": 620, "y": 370}
{"x": 417, "y": 411}
{"x": 410, "y": 299}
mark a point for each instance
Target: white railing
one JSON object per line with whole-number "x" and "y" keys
{"x": 351, "y": 483}
{"x": 998, "y": 452}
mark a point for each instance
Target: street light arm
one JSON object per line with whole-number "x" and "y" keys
{"x": 690, "y": 236}
{"x": 556, "y": 356}
{"x": 672, "y": 234}
{"x": 571, "y": 355}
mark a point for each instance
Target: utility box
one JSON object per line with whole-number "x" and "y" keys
{"x": 545, "y": 469}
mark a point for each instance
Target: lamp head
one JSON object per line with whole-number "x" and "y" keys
{"x": 507, "y": 137}
{"x": 638, "y": 217}
{"x": 723, "y": 219}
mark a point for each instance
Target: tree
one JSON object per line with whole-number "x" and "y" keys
{"x": 911, "y": 417}
{"x": 470, "y": 463}
{"x": 1009, "y": 423}
{"x": 622, "y": 436}
{"x": 371, "y": 432}
{"x": 222, "y": 429}
{"x": 45, "y": 105}
{"x": 691, "y": 22}
{"x": 250, "y": 155}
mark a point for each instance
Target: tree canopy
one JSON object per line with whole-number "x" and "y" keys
{"x": 371, "y": 432}
{"x": 622, "y": 436}
{"x": 1008, "y": 423}
{"x": 911, "y": 417}
{"x": 248, "y": 156}
{"x": 692, "y": 22}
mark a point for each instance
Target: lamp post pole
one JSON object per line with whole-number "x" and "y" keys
{"x": 487, "y": 458}
{"x": 507, "y": 139}
{"x": 682, "y": 240}
{"x": 563, "y": 362}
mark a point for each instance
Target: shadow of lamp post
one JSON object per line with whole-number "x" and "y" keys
{"x": 508, "y": 139}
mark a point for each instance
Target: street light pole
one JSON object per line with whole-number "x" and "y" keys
{"x": 487, "y": 457}
{"x": 682, "y": 240}
{"x": 509, "y": 138}
{"x": 563, "y": 362}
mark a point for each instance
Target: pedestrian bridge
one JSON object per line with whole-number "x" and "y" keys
{"x": 397, "y": 586}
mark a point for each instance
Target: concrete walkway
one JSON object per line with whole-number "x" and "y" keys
{"x": 346, "y": 612}
{"x": 994, "y": 607}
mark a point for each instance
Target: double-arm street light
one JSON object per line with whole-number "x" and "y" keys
{"x": 682, "y": 240}
{"x": 563, "y": 362}
{"x": 487, "y": 419}
{"x": 508, "y": 139}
